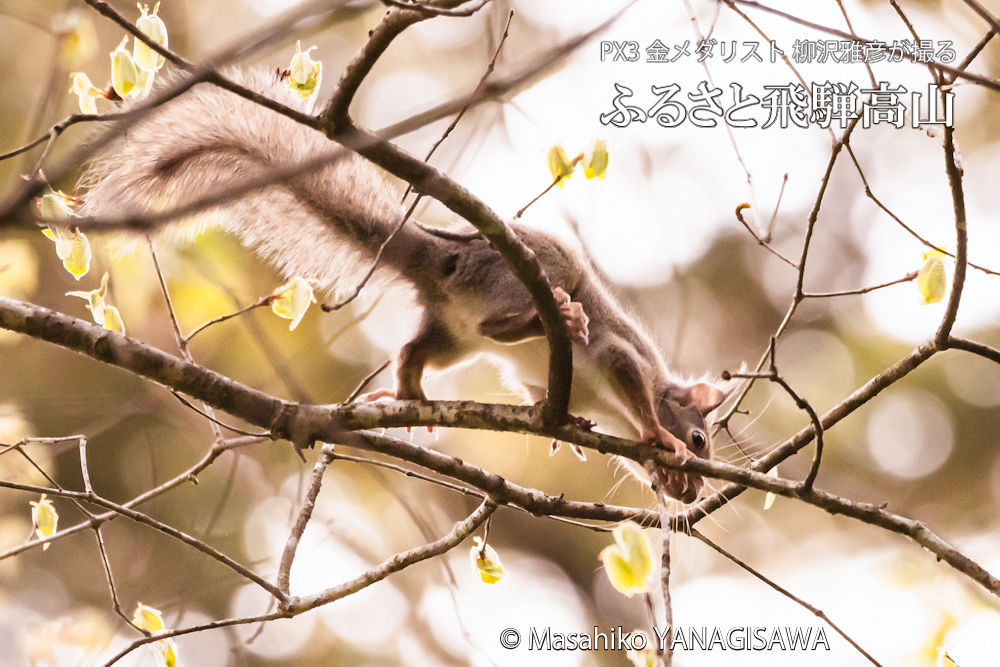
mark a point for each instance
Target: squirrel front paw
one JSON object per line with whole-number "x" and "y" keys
{"x": 661, "y": 437}
{"x": 382, "y": 395}
{"x": 576, "y": 318}
{"x": 377, "y": 395}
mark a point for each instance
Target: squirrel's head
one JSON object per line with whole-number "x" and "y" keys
{"x": 682, "y": 410}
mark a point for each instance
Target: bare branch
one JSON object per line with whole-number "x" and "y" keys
{"x": 982, "y": 350}
{"x": 961, "y": 236}
{"x": 800, "y": 403}
{"x": 961, "y": 74}
{"x": 815, "y": 611}
{"x": 761, "y": 242}
{"x": 166, "y": 634}
{"x": 398, "y": 562}
{"x": 144, "y": 519}
{"x": 189, "y": 475}
{"x": 59, "y": 128}
{"x": 302, "y": 520}
{"x": 364, "y": 382}
{"x": 429, "y": 10}
{"x": 909, "y": 277}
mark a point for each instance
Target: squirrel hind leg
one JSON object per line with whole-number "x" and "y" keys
{"x": 432, "y": 345}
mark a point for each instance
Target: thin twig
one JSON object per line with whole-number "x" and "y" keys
{"x": 954, "y": 171}
{"x": 216, "y": 422}
{"x": 302, "y": 519}
{"x": 159, "y": 526}
{"x": 400, "y": 561}
{"x": 760, "y": 241}
{"x": 429, "y": 10}
{"x": 189, "y": 475}
{"x": 59, "y": 128}
{"x": 982, "y": 80}
{"x": 815, "y": 611}
{"x": 166, "y": 634}
{"x": 115, "y": 603}
{"x": 408, "y": 473}
{"x": 263, "y": 301}
{"x": 909, "y": 277}
{"x": 364, "y": 383}
{"x": 83, "y": 465}
{"x": 801, "y": 403}
{"x": 972, "y": 346}
{"x": 520, "y": 212}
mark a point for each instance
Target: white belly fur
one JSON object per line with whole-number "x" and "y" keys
{"x": 593, "y": 396}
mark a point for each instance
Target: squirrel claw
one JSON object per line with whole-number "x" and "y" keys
{"x": 576, "y": 449}
{"x": 377, "y": 395}
{"x": 667, "y": 440}
{"x": 576, "y": 318}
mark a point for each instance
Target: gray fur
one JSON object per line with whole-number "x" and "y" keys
{"x": 326, "y": 226}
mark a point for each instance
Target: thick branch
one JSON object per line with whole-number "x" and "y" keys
{"x": 304, "y": 423}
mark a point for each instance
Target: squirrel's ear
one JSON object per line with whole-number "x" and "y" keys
{"x": 703, "y": 396}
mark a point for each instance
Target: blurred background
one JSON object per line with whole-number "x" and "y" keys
{"x": 661, "y": 230}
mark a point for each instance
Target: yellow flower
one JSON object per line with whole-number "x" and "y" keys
{"x": 153, "y": 27}
{"x": 627, "y": 562}
{"x": 595, "y": 159}
{"x": 95, "y": 300}
{"x": 124, "y": 73}
{"x": 73, "y": 248}
{"x": 486, "y": 561}
{"x": 931, "y": 279}
{"x": 559, "y": 165}
{"x": 292, "y": 301}
{"x": 56, "y": 205}
{"x": 147, "y": 618}
{"x": 143, "y": 84}
{"x": 305, "y": 73}
{"x": 86, "y": 92}
{"x": 167, "y": 651}
{"x": 151, "y": 620}
{"x": 44, "y": 518}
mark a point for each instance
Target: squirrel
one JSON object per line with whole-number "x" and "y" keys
{"x": 327, "y": 226}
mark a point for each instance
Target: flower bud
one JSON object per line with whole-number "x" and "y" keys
{"x": 292, "y": 301}
{"x": 86, "y": 92}
{"x": 486, "y": 561}
{"x": 95, "y": 300}
{"x": 931, "y": 279}
{"x": 305, "y": 73}
{"x": 559, "y": 165}
{"x": 628, "y": 562}
{"x": 153, "y": 27}
{"x": 44, "y": 518}
{"x": 124, "y": 73}
{"x": 595, "y": 159}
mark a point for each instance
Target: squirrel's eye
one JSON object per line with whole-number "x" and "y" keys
{"x": 698, "y": 439}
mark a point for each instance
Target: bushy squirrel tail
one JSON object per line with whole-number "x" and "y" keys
{"x": 325, "y": 225}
